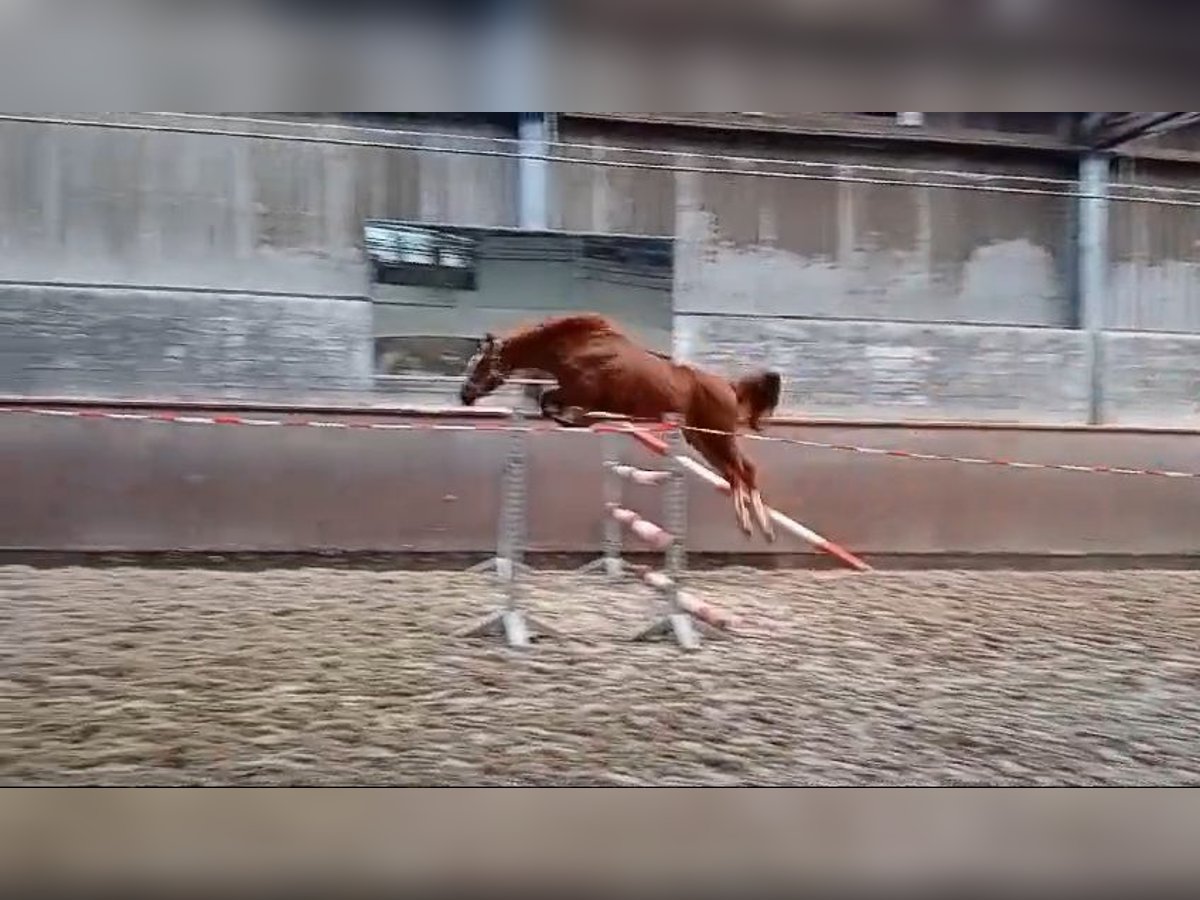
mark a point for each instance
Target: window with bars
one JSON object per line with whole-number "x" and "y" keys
{"x": 421, "y": 257}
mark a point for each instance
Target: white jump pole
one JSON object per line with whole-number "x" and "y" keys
{"x": 643, "y": 529}
{"x": 656, "y": 445}
{"x": 690, "y": 603}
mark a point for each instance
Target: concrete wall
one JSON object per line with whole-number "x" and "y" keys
{"x": 131, "y": 344}
{"x": 1155, "y": 250}
{"x": 233, "y": 262}
{"x": 832, "y": 269}
{"x": 889, "y": 370}
{"x": 822, "y": 248}
{"x": 216, "y": 212}
{"x": 1151, "y": 379}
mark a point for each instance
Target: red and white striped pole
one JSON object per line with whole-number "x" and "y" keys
{"x": 656, "y": 537}
{"x": 658, "y": 446}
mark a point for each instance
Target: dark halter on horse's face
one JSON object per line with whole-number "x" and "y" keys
{"x": 486, "y": 353}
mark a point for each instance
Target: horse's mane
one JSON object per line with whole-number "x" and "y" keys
{"x": 570, "y": 329}
{"x": 560, "y": 327}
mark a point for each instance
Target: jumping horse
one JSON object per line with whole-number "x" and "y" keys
{"x": 600, "y": 369}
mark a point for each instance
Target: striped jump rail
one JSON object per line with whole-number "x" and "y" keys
{"x": 687, "y": 617}
{"x": 660, "y": 447}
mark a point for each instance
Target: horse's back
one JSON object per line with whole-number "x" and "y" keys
{"x": 621, "y": 376}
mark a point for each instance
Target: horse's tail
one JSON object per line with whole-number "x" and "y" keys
{"x": 757, "y": 396}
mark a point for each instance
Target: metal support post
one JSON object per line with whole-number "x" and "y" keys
{"x": 1092, "y": 254}
{"x": 610, "y": 562}
{"x": 511, "y": 520}
{"x": 676, "y": 622}
{"x": 675, "y": 501}
{"x": 510, "y": 622}
{"x": 533, "y": 141}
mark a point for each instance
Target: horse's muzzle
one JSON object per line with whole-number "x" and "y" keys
{"x": 467, "y": 396}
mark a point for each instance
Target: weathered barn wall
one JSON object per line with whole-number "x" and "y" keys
{"x": 1151, "y": 379}
{"x": 96, "y": 205}
{"x": 1154, "y": 247}
{"x": 878, "y": 300}
{"x": 159, "y": 264}
{"x": 779, "y": 246}
{"x": 894, "y": 370}
{"x": 130, "y": 344}
{"x": 234, "y": 263}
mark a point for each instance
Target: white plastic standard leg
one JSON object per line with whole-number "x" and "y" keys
{"x": 677, "y": 622}
{"x": 510, "y": 622}
{"x": 610, "y": 563}
{"x": 512, "y": 506}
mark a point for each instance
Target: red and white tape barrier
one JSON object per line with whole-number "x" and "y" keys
{"x": 965, "y": 460}
{"x": 503, "y": 425}
{"x": 172, "y": 418}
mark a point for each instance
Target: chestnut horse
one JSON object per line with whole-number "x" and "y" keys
{"x": 599, "y": 369}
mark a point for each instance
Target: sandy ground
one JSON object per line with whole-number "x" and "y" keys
{"x": 328, "y": 676}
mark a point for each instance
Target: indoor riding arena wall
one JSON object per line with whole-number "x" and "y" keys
{"x": 230, "y": 251}
{"x": 206, "y": 602}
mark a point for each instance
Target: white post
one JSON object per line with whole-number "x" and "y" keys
{"x": 509, "y": 621}
{"x": 675, "y": 510}
{"x": 610, "y": 561}
{"x": 514, "y": 507}
{"x": 612, "y": 495}
{"x": 677, "y": 622}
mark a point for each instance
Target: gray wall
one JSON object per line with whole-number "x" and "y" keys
{"x": 790, "y": 247}
{"x": 1154, "y": 246}
{"x": 233, "y": 264}
{"x": 208, "y": 265}
{"x": 1151, "y": 379}
{"x": 101, "y": 485}
{"x": 903, "y": 370}
{"x": 131, "y": 344}
{"x": 216, "y": 212}
{"x": 911, "y": 301}
{"x": 832, "y": 270}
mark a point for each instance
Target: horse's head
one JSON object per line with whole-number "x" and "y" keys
{"x": 485, "y": 371}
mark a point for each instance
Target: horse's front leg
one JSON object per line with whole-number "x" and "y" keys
{"x": 722, "y": 454}
{"x": 552, "y": 405}
{"x": 749, "y": 478}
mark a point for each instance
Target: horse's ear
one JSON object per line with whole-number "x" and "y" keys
{"x": 489, "y": 341}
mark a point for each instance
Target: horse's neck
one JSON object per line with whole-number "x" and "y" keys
{"x": 519, "y": 352}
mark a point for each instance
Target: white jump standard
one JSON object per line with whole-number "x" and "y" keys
{"x": 510, "y": 622}
{"x": 684, "y": 618}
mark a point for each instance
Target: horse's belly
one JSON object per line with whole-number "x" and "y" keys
{"x": 642, "y": 401}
